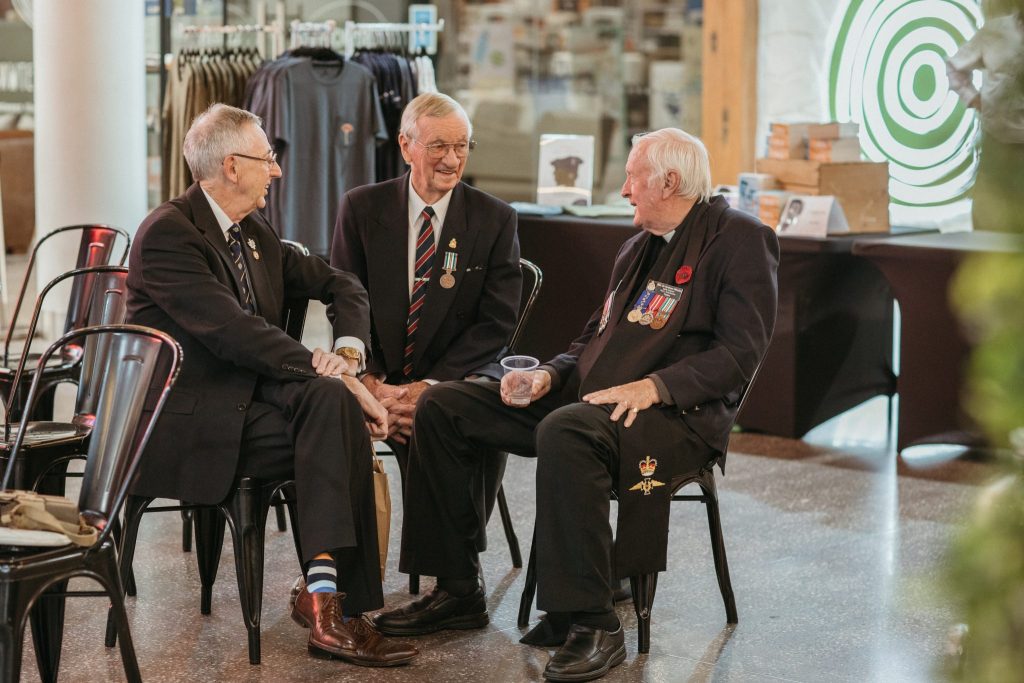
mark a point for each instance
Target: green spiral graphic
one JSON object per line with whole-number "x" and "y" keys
{"x": 888, "y": 73}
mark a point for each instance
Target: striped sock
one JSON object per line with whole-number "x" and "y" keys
{"x": 321, "y": 576}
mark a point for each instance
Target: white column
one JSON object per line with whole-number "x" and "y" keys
{"x": 90, "y": 113}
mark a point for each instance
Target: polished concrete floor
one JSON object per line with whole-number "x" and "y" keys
{"x": 832, "y": 549}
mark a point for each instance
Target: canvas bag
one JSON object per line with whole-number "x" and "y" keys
{"x": 31, "y": 511}
{"x": 382, "y": 501}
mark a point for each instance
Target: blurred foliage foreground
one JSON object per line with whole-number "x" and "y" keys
{"x": 984, "y": 572}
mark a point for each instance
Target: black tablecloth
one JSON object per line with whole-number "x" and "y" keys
{"x": 934, "y": 350}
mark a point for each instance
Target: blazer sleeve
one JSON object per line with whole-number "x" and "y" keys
{"x": 348, "y": 254}
{"x": 481, "y": 342}
{"x": 746, "y": 303}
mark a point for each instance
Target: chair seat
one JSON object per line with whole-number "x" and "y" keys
{"x": 14, "y": 540}
{"x": 47, "y": 433}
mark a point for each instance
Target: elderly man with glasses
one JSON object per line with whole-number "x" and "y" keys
{"x": 209, "y": 270}
{"x": 440, "y": 261}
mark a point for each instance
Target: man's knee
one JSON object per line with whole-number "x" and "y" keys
{"x": 330, "y": 391}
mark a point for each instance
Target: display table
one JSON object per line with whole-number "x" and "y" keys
{"x": 832, "y": 347}
{"x": 933, "y": 348}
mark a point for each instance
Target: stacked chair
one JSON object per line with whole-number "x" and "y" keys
{"x": 128, "y": 360}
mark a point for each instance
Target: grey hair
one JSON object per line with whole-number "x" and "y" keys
{"x": 671, "y": 149}
{"x": 216, "y": 133}
{"x": 435, "y": 105}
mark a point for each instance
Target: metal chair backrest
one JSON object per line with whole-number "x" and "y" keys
{"x": 133, "y": 358}
{"x": 533, "y": 278}
{"x": 105, "y": 285}
{"x": 95, "y": 248}
{"x": 109, "y": 306}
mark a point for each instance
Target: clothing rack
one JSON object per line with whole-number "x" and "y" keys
{"x": 275, "y": 31}
{"x": 360, "y": 30}
{"x": 312, "y": 33}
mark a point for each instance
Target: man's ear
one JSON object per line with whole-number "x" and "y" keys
{"x": 403, "y": 146}
{"x": 671, "y": 185}
{"x": 229, "y": 167}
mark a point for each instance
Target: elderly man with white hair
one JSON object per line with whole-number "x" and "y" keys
{"x": 646, "y": 394}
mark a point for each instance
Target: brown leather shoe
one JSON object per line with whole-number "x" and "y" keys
{"x": 355, "y": 641}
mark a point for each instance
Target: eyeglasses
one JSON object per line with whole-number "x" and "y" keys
{"x": 268, "y": 160}
{"x": 438, "y": 150}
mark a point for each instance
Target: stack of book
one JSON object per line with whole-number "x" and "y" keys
{"x": 833, "y": 141}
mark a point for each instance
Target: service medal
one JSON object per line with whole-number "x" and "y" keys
{"x": 451, "y": 260}
{"x": 646, "y": 319}
{"x": 634, "y": 315}
{"x": 658, "y": 322}
{"x": 256, "y": 255}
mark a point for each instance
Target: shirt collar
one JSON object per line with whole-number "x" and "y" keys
{"x": 416, "y": 205}
{"x": 668, "y": 236}
{"x": 222, "y": 218}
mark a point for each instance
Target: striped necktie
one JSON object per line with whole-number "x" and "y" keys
{"x": 421, "y": 277}
{"x": 235, "y": 247}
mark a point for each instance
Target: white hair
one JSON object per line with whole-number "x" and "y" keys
{"x": 216, "y": 133}
{"x": 433, "y": 104}
{"x": 671, "y": 149}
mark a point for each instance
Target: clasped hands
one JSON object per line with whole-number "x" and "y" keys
{"x": 629, "y": 399}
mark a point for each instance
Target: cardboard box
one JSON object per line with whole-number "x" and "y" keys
{"x": 833, "y": 149}
{"x": 862, "y": 187}
{"x": 788, "y": 141}
{"x": 833, "y": 130}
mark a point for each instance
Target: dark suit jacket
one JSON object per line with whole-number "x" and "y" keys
{"x": 462, "y": 330}
{"x": 182, "y": 280}
{"x": 709, "y": 349}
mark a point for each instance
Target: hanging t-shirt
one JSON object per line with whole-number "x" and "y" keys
{"x": 326, "y": 126}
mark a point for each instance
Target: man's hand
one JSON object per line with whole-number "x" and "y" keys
{"x": 632, "y": 397}
{"x": 376, "y": 415}
{"x": 330, "y": 365}
{"x": 541, "y": 386}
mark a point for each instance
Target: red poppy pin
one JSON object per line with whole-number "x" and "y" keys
{"x": 683, "y": 275}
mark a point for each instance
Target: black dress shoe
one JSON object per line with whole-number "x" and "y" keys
{"x": 588, "y": 653}
{"x": 435, "y": 611}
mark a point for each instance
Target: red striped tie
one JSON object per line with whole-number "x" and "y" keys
{"x": 421, "y": 277}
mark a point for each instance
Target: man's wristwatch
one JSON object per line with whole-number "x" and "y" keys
{"x": 350, "y": 353}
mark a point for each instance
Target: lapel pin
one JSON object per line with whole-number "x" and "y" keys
{"x": 453, "y": 244}
{"x": 683, "y": 275}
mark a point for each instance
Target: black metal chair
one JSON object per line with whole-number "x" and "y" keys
{"x": 96, "y": 247}
{"x": 49, "y": 446}
{"x": 644, "y": 587}
{"x": 34, "y": 574}
{"x": 533, "y": 278}
{"x": 245, "y": 510}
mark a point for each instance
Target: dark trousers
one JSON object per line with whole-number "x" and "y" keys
{"x": 577, "y": 448}
{"x": 313, "y": 432}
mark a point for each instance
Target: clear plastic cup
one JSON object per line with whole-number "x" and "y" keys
{"x": 520, "y": 384}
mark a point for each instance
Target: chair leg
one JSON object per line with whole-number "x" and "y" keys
{"x": 247, "y": 517}
{"x": 643, "y": 588}
{"x": 530, "y": 587}
{"x": 282, "y": 522}
{"x": 209, "y": 523}
{"x": 718, "y": 551}
{"x": 14, "y": 598}
{"x": 510, "y": 531}
{"x": 106, "y": 568}
{"x": 186, "y": 531}
{"x": 288, "y": 495}
{"x": 47, "y": 620}
{"x": 134, "y": 507}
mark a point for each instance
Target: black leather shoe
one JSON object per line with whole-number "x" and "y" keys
{"x": 588, "y": 653}
{"x": 435, "y": 611}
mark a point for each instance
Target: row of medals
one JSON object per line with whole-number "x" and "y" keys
{"x": 656, "y": 323}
